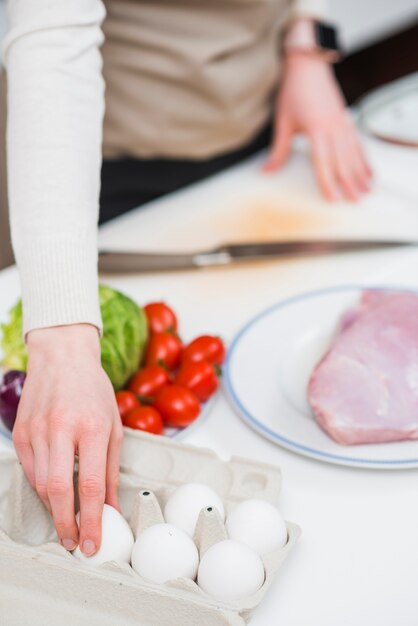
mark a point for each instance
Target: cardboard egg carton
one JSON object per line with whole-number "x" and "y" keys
{"x": 51, "y": 584}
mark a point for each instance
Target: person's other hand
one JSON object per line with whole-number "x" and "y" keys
{"x": 68, "y": 407}
{"x": 310, "y": 102}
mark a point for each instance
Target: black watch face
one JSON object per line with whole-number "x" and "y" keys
{"x": 326, "y": 36}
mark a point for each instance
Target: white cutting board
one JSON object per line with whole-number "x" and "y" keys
{"x": 243, "y": 204}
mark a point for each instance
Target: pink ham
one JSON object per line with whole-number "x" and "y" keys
{"x": 365, "y": 388}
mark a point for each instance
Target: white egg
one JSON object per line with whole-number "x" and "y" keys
{"x": 230, "y": 570}
{"x": 117, "y": 539}
{"x": 258, "y": 524}
{"x": 185, "y": 503}
{"x": 163, "y": 552}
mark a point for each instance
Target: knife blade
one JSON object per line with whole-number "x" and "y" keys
{"x": 130, "y": 262}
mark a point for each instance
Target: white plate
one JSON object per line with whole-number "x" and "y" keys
{"x": 390, "y": 112}
{"x": 173, "y": 433}
{"x": 267, "y": 372}
{"x": 5, "y": 434}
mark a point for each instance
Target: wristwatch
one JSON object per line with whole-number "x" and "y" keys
{"x": 313, "y": 37}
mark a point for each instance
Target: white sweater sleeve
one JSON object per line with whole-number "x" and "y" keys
{"x": 54, "y": 136}
{"x": 309, "y": 8}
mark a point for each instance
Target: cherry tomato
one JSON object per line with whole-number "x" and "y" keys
{"x": 160, "y": 317}
{"x": 205, "y": 348}
{"x": 164, "y": 349}
{"x": 149, "y": 380}
{"x": 126, "y": 401}
{"x": 199, "y": 377}
{"x": 177, "y": 405}
{"x": 144, "y": 418}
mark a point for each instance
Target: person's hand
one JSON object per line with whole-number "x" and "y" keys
{"x": 68, "y": 407}
{"x": 310, "y": 102}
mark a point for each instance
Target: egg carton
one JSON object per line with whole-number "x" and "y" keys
{"x": 51, "y": 584}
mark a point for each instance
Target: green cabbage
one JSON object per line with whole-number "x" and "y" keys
{"x": 125, "y": 333}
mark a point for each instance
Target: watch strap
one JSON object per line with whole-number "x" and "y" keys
{"x": 312, "y": 37}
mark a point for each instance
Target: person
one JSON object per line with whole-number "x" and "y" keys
{"x": 190, "y": 88}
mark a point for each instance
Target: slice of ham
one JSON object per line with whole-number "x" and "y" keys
{"x": 365, "y": 388}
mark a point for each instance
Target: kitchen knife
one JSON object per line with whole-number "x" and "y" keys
{"x": 126, "y": 262}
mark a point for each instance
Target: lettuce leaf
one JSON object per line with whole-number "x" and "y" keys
{"x": 13, "y": 346}
{"x": 125, "y": 333}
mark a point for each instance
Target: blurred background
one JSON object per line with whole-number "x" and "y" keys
{"x": 380, "y": 39}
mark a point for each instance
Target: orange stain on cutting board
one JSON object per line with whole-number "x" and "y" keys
{"x": 264, "y": 221}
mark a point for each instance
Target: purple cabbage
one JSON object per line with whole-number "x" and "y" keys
{"x": 10, "y": 391}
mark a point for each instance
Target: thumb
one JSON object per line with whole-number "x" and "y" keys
{"x": 280, "y": 150}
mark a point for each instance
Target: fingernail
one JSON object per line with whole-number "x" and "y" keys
{"x": 88, "y": 547}
{"x": 69, "y": 544}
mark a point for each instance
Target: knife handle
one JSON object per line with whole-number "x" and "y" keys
{"x": 127, "y": 263}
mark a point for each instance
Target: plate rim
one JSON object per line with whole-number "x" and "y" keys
{"x": 281, "y": 440}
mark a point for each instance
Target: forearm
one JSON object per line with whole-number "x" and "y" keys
{"x": 55, "y": 104}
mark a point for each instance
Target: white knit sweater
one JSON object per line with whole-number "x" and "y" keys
{"x": 54, "y": 135}
{"x": 55, "y": 116}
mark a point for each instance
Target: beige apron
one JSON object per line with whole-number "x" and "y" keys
{"x": 189, "y": 78}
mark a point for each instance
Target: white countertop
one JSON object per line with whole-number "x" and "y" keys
{"x": 356, "y": 563}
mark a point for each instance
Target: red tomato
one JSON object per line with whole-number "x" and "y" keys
{"x": 144, "y": 418}
{"x": 177, "y": 405}
{"x": 199, "y": 377}
{"x": 205, "y": 348}
{"x": 160, "y": 317}
{"x": 149, "y": 380}
{"x": 164, "y": 349}
{"x": 126, "y": 401}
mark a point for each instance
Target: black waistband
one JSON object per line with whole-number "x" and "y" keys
{"x": 127, "y": 183}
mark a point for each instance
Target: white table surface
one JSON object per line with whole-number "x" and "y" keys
{"x": 357, "y": 561}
